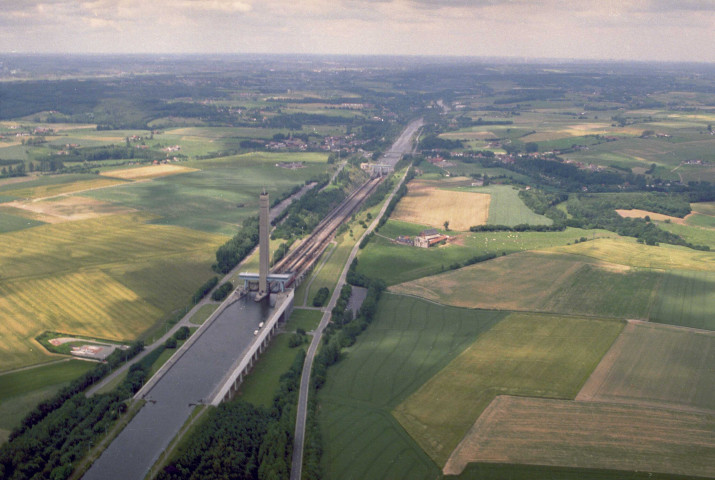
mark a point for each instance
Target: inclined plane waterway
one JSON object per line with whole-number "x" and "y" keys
{"x": 191, "y": 380}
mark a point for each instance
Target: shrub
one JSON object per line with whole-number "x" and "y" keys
{"x": 222, "y": 292}
{"x": 321, "y": 296}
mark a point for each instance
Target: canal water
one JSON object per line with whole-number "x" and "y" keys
{"x": 191, "y": 381}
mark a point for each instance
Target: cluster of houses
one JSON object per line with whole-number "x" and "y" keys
{"x": 331, "y": 143}
{"x": 425, "y": 239}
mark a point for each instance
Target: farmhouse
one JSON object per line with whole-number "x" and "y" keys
{"x": 428, "y": 238}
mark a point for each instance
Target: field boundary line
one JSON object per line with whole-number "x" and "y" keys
{"x": 671, "y": 327}
{"x": 40, "y": 365}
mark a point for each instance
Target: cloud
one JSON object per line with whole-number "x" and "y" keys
{"x": 629, "y": 29}
{"x": 225, "y": 6}
{"x": 682, "y": 5}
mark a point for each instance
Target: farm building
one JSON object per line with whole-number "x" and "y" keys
{"x": 428, "y": 238}
{"x": 403, "y": 239}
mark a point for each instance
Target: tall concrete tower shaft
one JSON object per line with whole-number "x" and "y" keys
{"x": 263, "y": 252}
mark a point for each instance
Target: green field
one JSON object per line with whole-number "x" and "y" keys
{"x": 706, "y": 208}
{"x": 308, "y": 320}
{"x": 626, "y": 251}
{"x": 575, "y": 285}
{"x": 659, "y": 366}
{"x": 524, "y": 355}
{"x": 260, "y": 386}
{"x": 700, "y": 230}
{"x": 302, "y": 291}
{"x": 39, "y": 189}
{"x": 220, "y": 196}
{"x": 698, "y": 220}
{"x": 46, "y": 182}
{"x": 399, "y": 263}
{"x": 203, "y": 313}
{"x": 12, "y": 223}
{"x": 503, "y": 471}
{"x": 506, "y": 208}
{"x": 21, "y": 391}
{"x": 631, "y": 437}
{"x": 409, "y": 341}
{"x": 685, "y": 298}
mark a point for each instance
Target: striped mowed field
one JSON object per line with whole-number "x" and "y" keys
{"x": 111, "y": 277}
{"x": 537, "y": 431}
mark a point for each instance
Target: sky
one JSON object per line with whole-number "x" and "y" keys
{"x": 660, "y": 30}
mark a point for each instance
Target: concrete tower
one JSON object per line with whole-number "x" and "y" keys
{"x": 263, "y": 252}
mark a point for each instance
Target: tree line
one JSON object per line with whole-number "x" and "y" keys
{"x": 340, "y": 333}
{"x": 241, "y": 441}
{"x": 59, "y": 431}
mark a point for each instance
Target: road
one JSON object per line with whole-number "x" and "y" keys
{"x": 403, "y": 144}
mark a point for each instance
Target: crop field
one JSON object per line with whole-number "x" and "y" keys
{"x": 706, "y": 208}
{"x": 626, "y": 251}
{"x": 409, "y": 341}
{"x": 700, "y": 220}
{"x": 21, "y": 391}
{"x": 656, "y": 365}
{"x": 112, "y": 277}
{"x": 432, "y": 206}
{"x": 692, "y": 232}
{"x": 399, "y": 263}
{"x": 578, "y": 434}
{"x": 523, "y": 281}
{"x": 658, "y": 217}
{"x": 220, "y": 196}
{"x": 85, "y": 303}
{"x": 639, "y": 152}
{"x": 506, "y": 208}
{"x": 44, "y": 181}
{"x": 51, "y": 190}
{"x": 12, "y": 223}
{"x": 13, "y": 151}
{"x": 152, "y": 171}
{"x": 575, "y": 285}
{"x": 524, "y": 354}
{"x": 511, "y": 471}
{"x": 66, "y": 208}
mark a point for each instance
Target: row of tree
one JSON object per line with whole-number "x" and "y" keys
{"x": 241, "y": 441}
{"x": 58, "y": 432}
